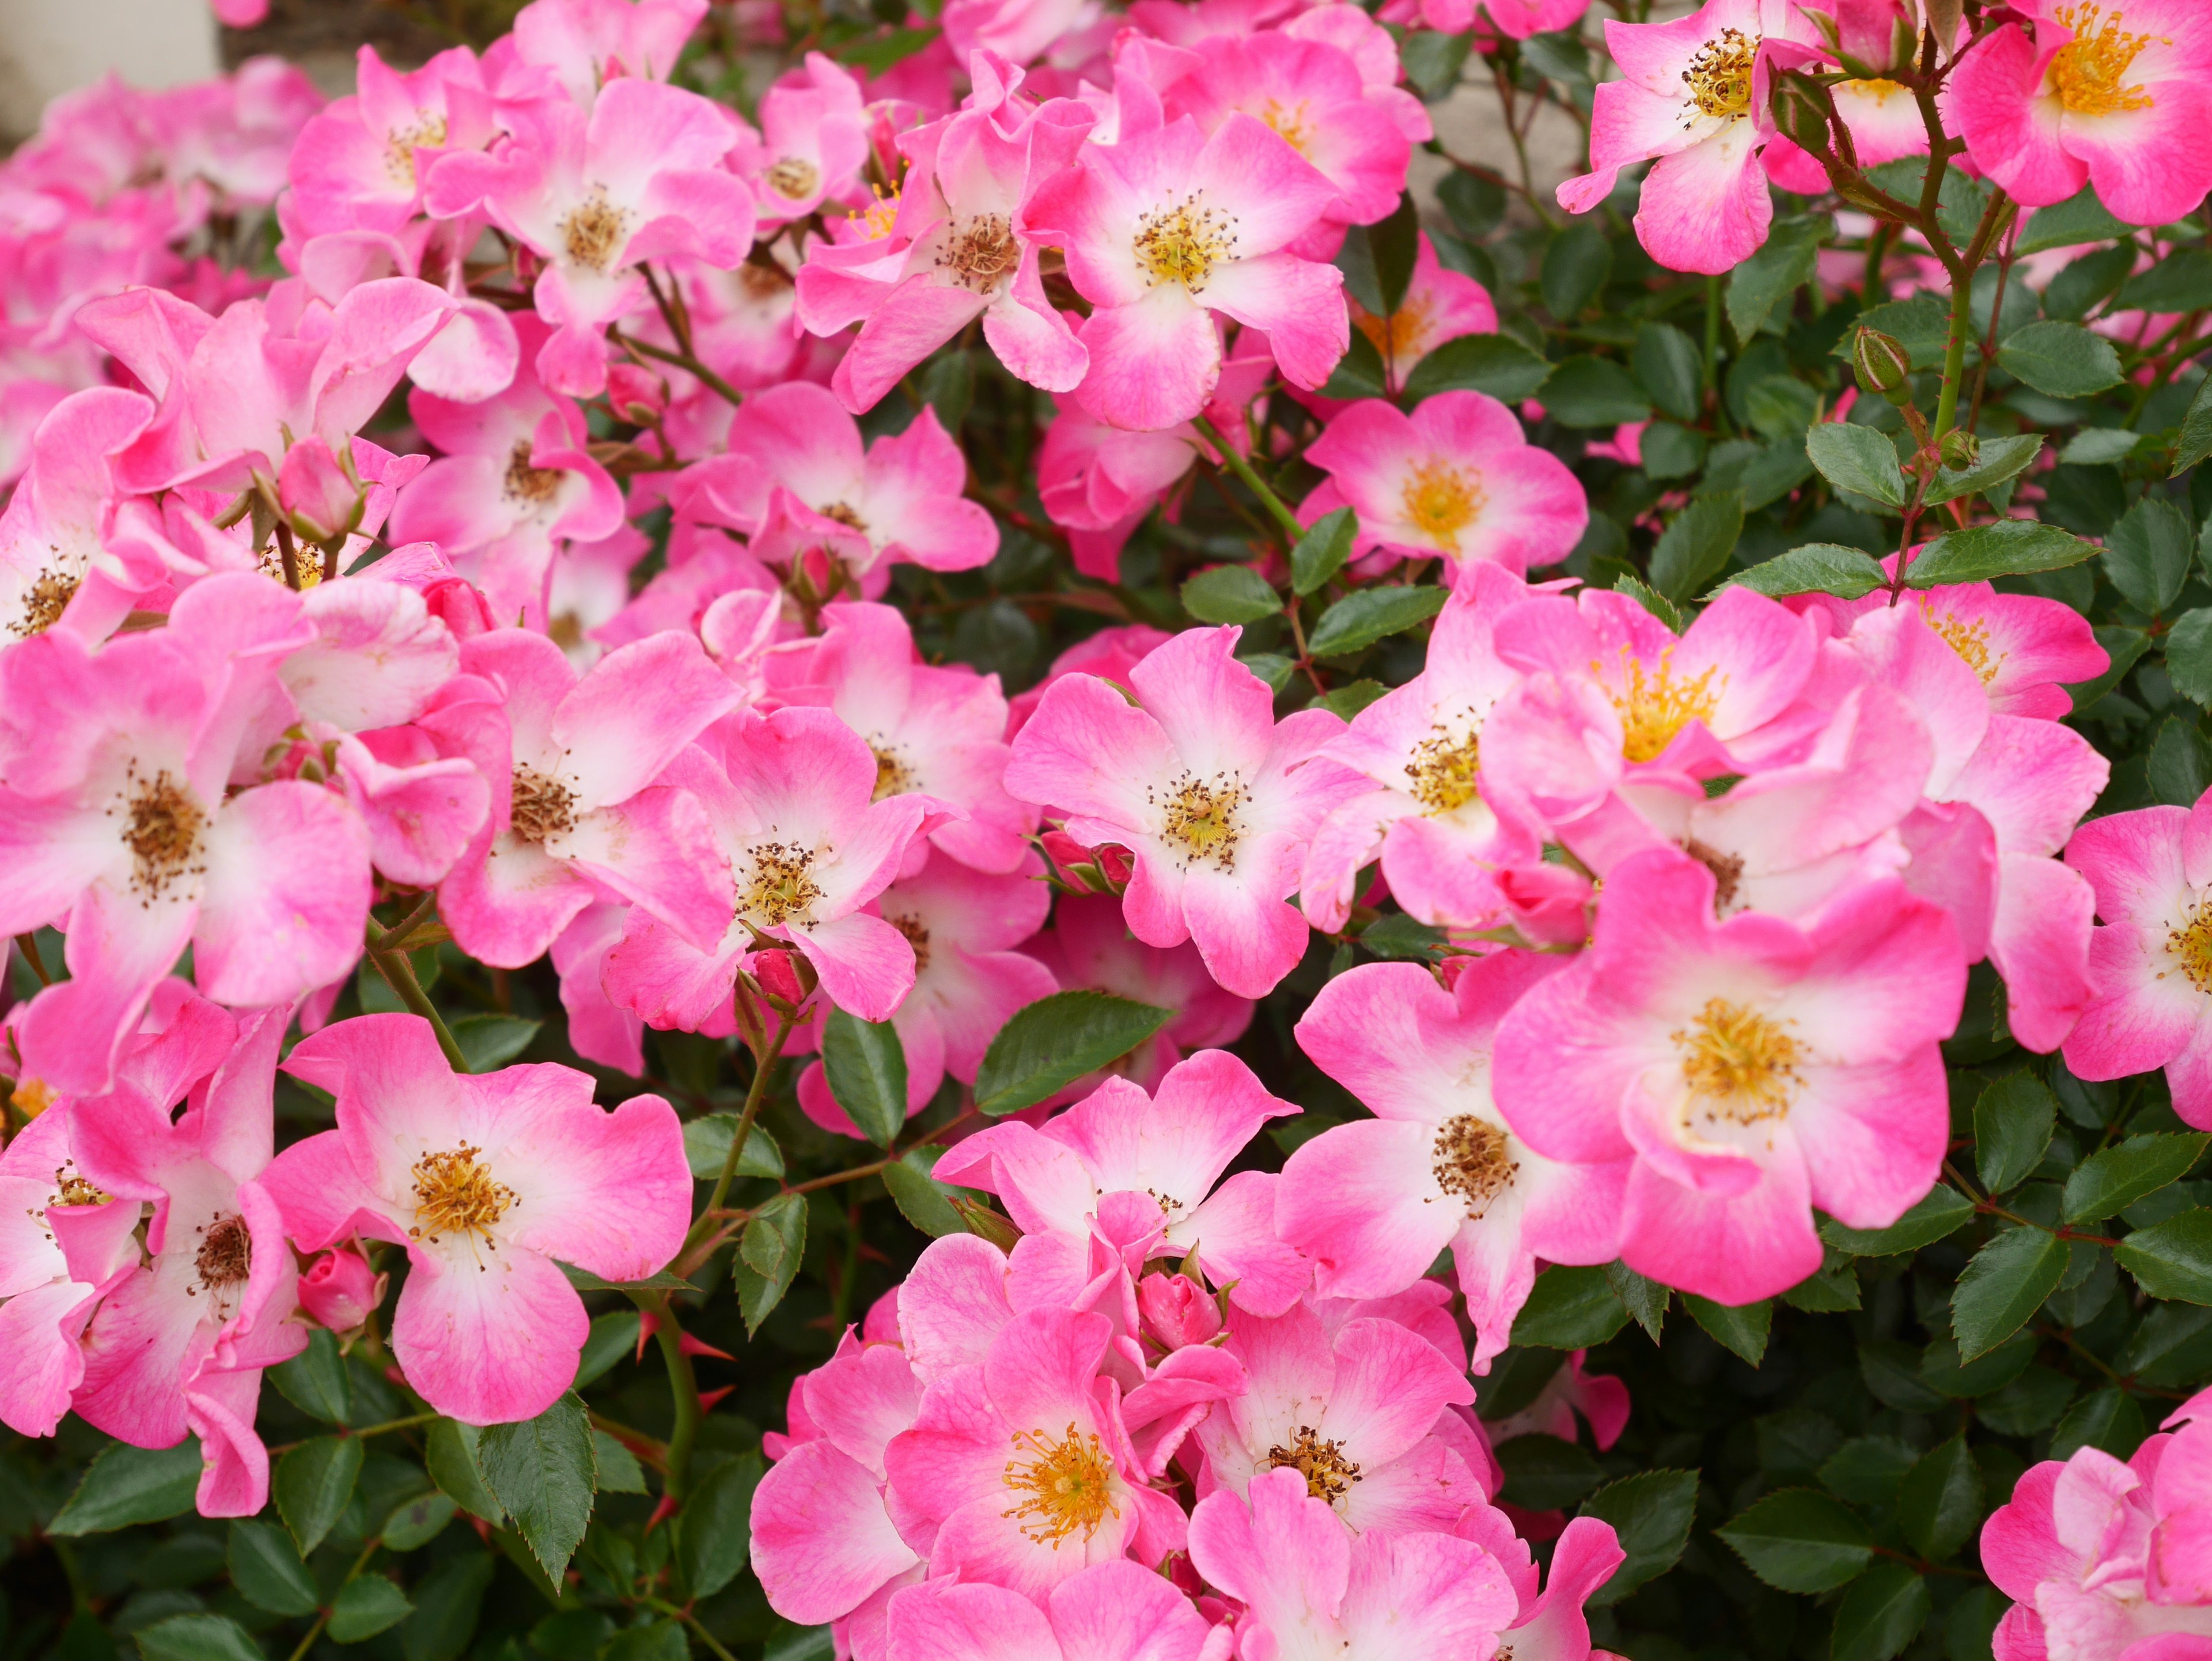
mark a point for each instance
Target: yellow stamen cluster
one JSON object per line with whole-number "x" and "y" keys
{"x": 593, "y": 232}
{"x": 1202, "y": 818}
{"x": 1444, "y": 769}
{"x": 782, "y": 888}
{"x": 523, "y": 483}
{"x": 1473, "y": 1160}
{"x": 454, "y": 1194}
{"x": 542, "y": 807}
{"x": 1063, "y": 1485}
{"x": 1184, "y": 243}
{"x": 1719, "y": 76}
{"x": 1442, "y": 499}
{"x": 2189, "y": 945}
{"x": 1738, "y": 1064}
{"x": 1654, "y": 706}
{"x": 44, "y": 602}
{"x": 162, "y": 833}
{"x": 980, "y": 251}
{"x": 794, "y": 177}
{"x": 2090, "y": 71}
{"x": 1329, "y": 1475}
{"x": 401, "y": 143}
{"x": 225, "y": 1254}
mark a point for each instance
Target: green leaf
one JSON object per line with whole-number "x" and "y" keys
{"x": 1474, "y": 203}
{"x": 1832, "y": 1288}
{"x": 450, "y": 1454}
{"x": 446, "y": 1603}
{"x": 1055, "y": 1041}
{"x": 948, "y": 387}
{"x": 2109, "y": 1419}
{"x": 1742, "y": 1328}
{"x": 1321, "y": 552}
{"x": 198, "y": 1638}
{"x": 1670, "y": 369}
{"x": 1651, "y": 1513}
{"x": 866, "y": 1068}
{"x": 2123, "y": 647}
{"x": 311, "y": 1485}
{"x": 127, "y": 1485}
{"x": 715, "y": 1530}
{"x": 265, "y": 1567}
{"x": 1592, "y": 392}
{"x": 707, "y": 1144}
{"x": 2171, "y": 1259}
{"x": 616, "y": 1468}
{"x": 1943, "y": 1210}
{"x": 1672, "y": 451}
{"x": 2189, "y": 654}
{"x": 659, "y": 1280}
{"x": 922, "y": 1199}
{"x": 1272, "y": 667}
{"x": 1857, "y": 458}
{"x": 2178, "y": 282}
{"x": 2002, "y": 459}
{"x": 2180, "y": 766}
{"x": 1942, "y": 1371}
{"x": 2080, "y": 218}
{"x": 1782, "y": 264}
{"x": 1360, "y": 619}
{"x": 1883, "y": 1612}
{"x": 2098, "y": 447}
{"x": 1358, "y": 374}
{"x": 1695, "y": 547}
{"x": 1432, "y": 60}
{"x": 2148, "y": 554}
{"x": 2031, "y": 1403}
{"x": 2117, "y": 1177}
{"x": 1396, "y": 936}
{"x": 1818, "y": 568}
{"x": 2194, "y": 442}
{"x": 2012, "y": 1121}
{"x": 878, "y": 53}
{"x": 314, "y": 1381}
{"x": 1800, "y": 1540}
{"x": 656, "y": 1641}
{"x": 2062, "y": 359}
{"x": 1575, "y": 268}
{"x": 418, "y": 1522}
{"x": 1494, "y": 363}
{"x": 769, "y": 1252}
{"x": 1346, "y": 702}
{"x": 1570, "y": 1309}
{"x": 1941, "y": 1499}
{"x": 489, "y": 1042}
{"x": 1230, "y": 593}
{"x": 1645, "y": 1300}
{"x": 2094, "y": 278}
{"x": 1543, "y": 1473}
{"x": 613, "y": 1336}
{"x": 1651, "y": 601}
{"x": 542, "y": 1471}
{"x": 2006, "y": 1283}
{"x": 2010, "y": 547}
{"x": 366, "y": 1606}
{"x": 1867, "y": 1470}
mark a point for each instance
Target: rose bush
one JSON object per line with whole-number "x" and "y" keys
{"x": 1259, "y": 896}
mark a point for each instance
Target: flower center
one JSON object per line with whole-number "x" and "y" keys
{"x": 401, "y": 143}
{"x": 1654, "y": 708}
{"x": 1292, "y": 124}
{"x": 1473, "y": 1160}
{"x": 44, "y": 602}
{"x": 1727, "y": 869}
{"x": 226, "y": 1253}
{"x": 163, "y": 834}
{"x": 981, "y": 253}
{"x": 1443, "y": 500}
{"x": 1403, "y": 333}
{"x": 523, "y": 483}
{"x": 893, "y": 776}
{"x": 917, "y": 936}
{"x": 1202, "y": 818}
{"x": 1181, "y": 243}
{"x": 1444, "y": 769}
{"x": 2090, "y": 71}
{"x": 844, "y": 515}
{"x": 1970, "y": 641}
{"x": 454, "y": 1194}
{"x": 592, "y": 231}
{"x": 794, "y": 176}
{"x": 879, "y": 216}
{"x": 2191, "y": 945}
{"x": 782, "y": 887}
{"x": 1329, "y": 1475}
{"x": 1719, "y": 77}
{"x": 1063, "y": 1486}
{"x": 542, "y": 807}
{"x": 1742, "y": 1066}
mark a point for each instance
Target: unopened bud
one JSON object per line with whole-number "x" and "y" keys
{"x": 1798, "y": 111}
{"x": 1882, "y": 365}
{"x": 1177, "y": 1311}
{"x": 318, "y": 493}
{"x": 1960, "y": 448}
{"x": 339, "y": 1291}
{"x": 986, "y": 1224}
{"x": 785, "y": 978}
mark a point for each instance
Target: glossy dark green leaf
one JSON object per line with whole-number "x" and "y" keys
{"x": 1880, "y": 1614}
{"x": 2002, "y": 459}
{"x": 1943, "y": 1372}
{"x": 660, "y": 1281}
{"x": 2147, "y": 556}
{"x": 419, "y": 1522}
{"x": 1321, "y": 552}
{"x": 1367, "y": 615}
{"x": 1646, "y": 1300}
{"x": 489, "y": 1042}
{"x": 2109, "y": 1419}
{"x": 1941, "y": 1211}
{"x": 1497, "y": 364}
{"x": 314, "y": 1380}
{"x": 447, "y": 1602}
{"x": 1818, "y": 568}
{"x": 1652, "y": 601}
{"x": 2116, "y": 1177}
{"x": 2171, "y": 1259}
{"x": 1651, "y": 1513}
{"x": 2189, "y": 654}
{"x": 2180, "y": 765}
{"x": 613, "y": 1338}
{"x": 1230, "y": 593}
{"x": 2012, "y": 1121}
{"x": 1741, "y": 1328}
{"x": 1695, "y": 546}
{"x": 1800, "y": 1540}
{"x": 866, "y": 1065}
{"x": 1358, "y": 374}
{"x": 2010, "y": 547}
{"x": 714, "y": 1529}
{"x": 2195, "y": 442}
{"x": 1055, "y": 1041}
{"x": 1432, "y": 60}
{"x": 265, "y": 1567}
{"x": 2178, "y": 281}
{"x": 769, "y": 1252}
{"x": 1783, "y": 263}
{"x": 1670, "y": 369}
{"x": 2080, "y": 218}
{"x": 706, "y": 1146}
{"x": 366, "y": 1606}
{"x": 1570, "y": 1309}
{"x": 2006, "y": 1282}
{"x": 1940, "y": 1502}
{"x": 614, "y": 1467}
{"x": 541, "y": 1471}
{"x": 1543, "y": 1473}
{"x": 922, "y": 1199}
{"x": 1574, "y": 267}
{"x": 1593, "y": 392}
{"x": 127, "y": 1485}
{"x": 1346, "y": 702}
{"x": 1857, "y": 458}
{"x": 311, "y": 1485}
{"x": 1867, "y": 1470}
{"x": 450, "y": 1454}
{"x": 2062, "y": 359}
{"x": 198, "y": 1638}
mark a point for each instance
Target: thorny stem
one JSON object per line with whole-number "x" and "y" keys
{"x": 386, "y": 1428}
{"x": 1252, "y": 481}
{"x": 399, "y": 975}
{"x": 764, "y": 1059}
{"x": 684, "y": 1389}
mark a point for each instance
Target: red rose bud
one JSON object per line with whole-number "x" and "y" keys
{"x": 1116, "y": 862}
{"x": 636, "y": 394}
{"x": 1177, "y": 1310}
{"x": 339, "y": 1291}
{"x": 460, "y": 606}
{"x": 779, "y": 979}
{"x": 319, "y": 497}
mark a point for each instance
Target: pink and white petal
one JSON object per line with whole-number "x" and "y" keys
{"x": 658, "y": 851}
{"x": 1298, "y": 303}
{"x": 1248, "y": 937}
{"x": 1154, "y": 362}
{"x": 609, "y": 1192}
{"x": 821, "y": 1542}
{"x": 488, "y": 1338}
{"x": 1706, "y": 208}
{"x": 286, "y": 893}
{"x": 507, "y": 905}
{"x": 1732, "y": 1249}
{"x": 865, "y": 965}
{"x": 1233, "y": 1231}
{"x": 1361, "y": 1201}
{"x": 943, "y": 1619}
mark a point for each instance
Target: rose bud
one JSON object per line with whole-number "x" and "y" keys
{"x": 1177, "y": 1310}
{"x": 339, "y": 1290}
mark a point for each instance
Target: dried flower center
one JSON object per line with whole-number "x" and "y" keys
{"x": 1473, "y": 1160}
{"x": 1444, "y": 769}
{"x": 1063, "y": 1485}
{"x": 794, "y": 176}
{"x": 1970, "y": 640}
{"x": 44, "y": 602}
{"x": 593, "y": 231}
{"x": 401, "y": 143}
{"x": 542, "y": 807}
{"x": 455, "y": 1194}
{"x": 1727, "y": 869}
{"x": 523, "y": 483}
{"x": 226, "y": 1253}
{"x": 1329, "y": 1475}
{"x": 2090, "y": 71}
{"x": 893, "y": 776}
{"x": 1181, "y": 244}
{"x": 1719, "y": 77}
{"x": 1655, "y": 707}
{"x": 1404, "y": 334}
{"x": 782, "y": 887}
{"x": 69, "y": 1189}
{"x": 845, "y": 515}
{"x": 1741, "y": 1065}
{"x": 980, "y": 251}
{"x": 163, "y": 833}
{"x": 1294, "y": 124}
{"x": 1442, "y": 500}
{"x": 917, "y": 936}
{"x": 1201, "y": 817}
{"x": 2191, "y": 946}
